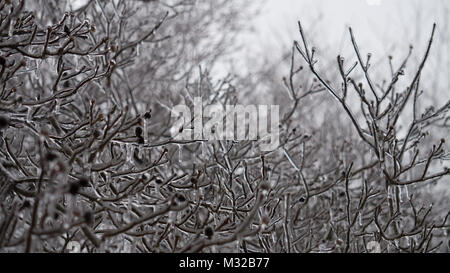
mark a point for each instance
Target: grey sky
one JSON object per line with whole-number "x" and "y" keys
{"x": 374, "y": 21}
{"x": 381, "y": 27}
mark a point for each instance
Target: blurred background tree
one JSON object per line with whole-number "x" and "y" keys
{"x": 87, "y": 157}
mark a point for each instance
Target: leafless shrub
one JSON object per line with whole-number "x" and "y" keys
{"x": 87, "y": 157}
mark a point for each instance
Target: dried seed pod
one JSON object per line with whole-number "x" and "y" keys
{"x": 138, "y": 131}
{"x": 88, "y": 217}
{"x": 26, "y": 204}
{"x": 209, "y": 232}
{"x": 180, "y": 197}
{"x": 193, "y": 180}
{"x": 50, "y": 156}
{"x": 83, "y": 182}
{"x": 148, "y": 115}
{"x": 66, "y": 30}
{"x": 3, "y": 122}
{"x": 97, "y": 134}
{"x": 74, "y": 188}
{"x": 136, "y": 157}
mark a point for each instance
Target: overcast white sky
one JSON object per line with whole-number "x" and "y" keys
{"x": 381, "y": 27}
{"x": 372, "y": 20}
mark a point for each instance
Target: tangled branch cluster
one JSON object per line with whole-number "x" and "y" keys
{"x": 86, "y": 155}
